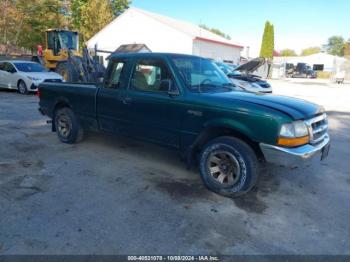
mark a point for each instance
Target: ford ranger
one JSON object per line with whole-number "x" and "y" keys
{"x": 187, "y": 103}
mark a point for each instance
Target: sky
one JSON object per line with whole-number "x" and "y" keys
{"x": 298, "y": 23}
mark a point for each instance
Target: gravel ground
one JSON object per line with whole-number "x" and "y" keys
{"x": 112, "y": 195}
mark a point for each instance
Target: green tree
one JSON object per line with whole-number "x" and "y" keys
{"x": 119, "y": 6}
{"x": 8, "y": 21}
{"x": 272, "y": 37}
{"x": 310, "y": 51}
{"x": 90, "y": 16}
{"x": 23, "y": 22}
{"x": 95, "y": 15}
{"x": 215, "y": 31}
{"x": 76, "y": 7}
{"x": 288, "y": 52}
{"x": 336, "y": 45}
{"x": 267, "y": 44}
{"x": 36, "y": 17}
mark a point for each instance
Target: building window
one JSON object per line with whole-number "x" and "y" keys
{"x": 318, "y": 67}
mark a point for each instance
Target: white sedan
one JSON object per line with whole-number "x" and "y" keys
{"x": 25, "y": 76}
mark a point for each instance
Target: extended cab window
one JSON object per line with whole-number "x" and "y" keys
{"x": 115, "y": 75}
{"x": 148, "y": 74}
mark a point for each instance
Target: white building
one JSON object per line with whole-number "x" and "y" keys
{"x": 318, "y": 62}
{"x": 164, "y": 34}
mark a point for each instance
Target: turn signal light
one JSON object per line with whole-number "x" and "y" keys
{"x": 293, "y": 141}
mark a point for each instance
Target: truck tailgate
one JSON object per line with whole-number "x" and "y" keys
{"x": 81, "y": 98}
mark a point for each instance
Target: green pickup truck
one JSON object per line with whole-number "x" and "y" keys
{"x": 187, "y": 103}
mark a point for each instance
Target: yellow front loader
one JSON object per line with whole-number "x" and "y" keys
{"x": 62, "y": 55}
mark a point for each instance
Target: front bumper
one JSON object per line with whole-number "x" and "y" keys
{"x": 292, "y": 157}
{"x": 33, "y": 87}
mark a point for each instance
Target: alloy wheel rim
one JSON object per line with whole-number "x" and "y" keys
{"x": 64, "y": 126}
{"x": 22, "y": 88}
{"x": 223, "y": 167}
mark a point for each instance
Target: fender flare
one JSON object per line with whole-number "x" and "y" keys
{"x": 214, "y": 128}
{"x": 230, "y": 124}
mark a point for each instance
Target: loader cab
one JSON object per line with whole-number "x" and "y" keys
{"x": 58, "y": 40}
{"x": 60, "y": 43}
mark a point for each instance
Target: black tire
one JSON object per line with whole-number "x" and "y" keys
{"x": 22, "y": 87}
{"x": 67, "y": 71}
{"x": 240, "y": 157}
{"x": 67, "y": 126}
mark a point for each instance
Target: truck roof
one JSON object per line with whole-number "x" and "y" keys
{"x": 131, "y": 55}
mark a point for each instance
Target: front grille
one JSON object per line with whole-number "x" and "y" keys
{"x": 318, "y": 128}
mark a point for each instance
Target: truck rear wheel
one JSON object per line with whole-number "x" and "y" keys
{"x": 228, "y": 166}
{"x": 68, "y": 128}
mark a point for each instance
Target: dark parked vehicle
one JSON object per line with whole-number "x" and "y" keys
{"x": 303, "y": 70}
{"x": 186, "y": 103}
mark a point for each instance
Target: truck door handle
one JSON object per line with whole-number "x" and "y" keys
{"x": 126, "y": 100}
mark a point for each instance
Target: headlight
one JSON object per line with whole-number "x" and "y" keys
{"x": 293, "y": 134}
{"x": 294, "y": 129}
{"x": 34, "y": 78}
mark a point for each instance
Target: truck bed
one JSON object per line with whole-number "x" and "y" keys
{"x": 80, "y": 97}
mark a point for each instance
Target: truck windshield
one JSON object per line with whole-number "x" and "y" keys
{"x": 202, "y": 75}
{"x": 225, "y": 68}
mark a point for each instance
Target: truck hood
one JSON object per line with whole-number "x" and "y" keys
{"x": 295, "y": 108}
{"x": 251, "y": 65}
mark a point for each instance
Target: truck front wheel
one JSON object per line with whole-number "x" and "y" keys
{"x": 228, "y": 166}
{"x": 67, "y": 126}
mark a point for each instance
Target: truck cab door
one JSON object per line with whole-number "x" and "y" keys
{"x": 109, "y": 101}
{"x": 154, "y": 114}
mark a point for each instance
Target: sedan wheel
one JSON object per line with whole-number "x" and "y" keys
{"x": 22, "y": 88}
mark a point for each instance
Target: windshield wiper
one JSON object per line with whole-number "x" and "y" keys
{"x": 210, "y": 86}
{"x": 233, "y": 86}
